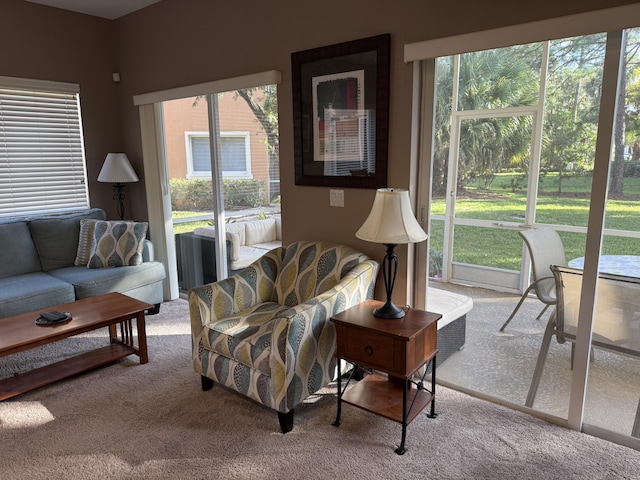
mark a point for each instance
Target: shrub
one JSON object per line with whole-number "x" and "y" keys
{"x": 435, "y": 263}
{"x": 244, "y": 193}
{"x": 197, "y": 194}
{"x": 632, "y": 169}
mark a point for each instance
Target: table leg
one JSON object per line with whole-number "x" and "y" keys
{"x": 142, "y": 339}
{"x": 336, "y": 423}
{"x": 401, "y": 450}
{"x": 432, "y": 413}
{"x": 113, "y": 333}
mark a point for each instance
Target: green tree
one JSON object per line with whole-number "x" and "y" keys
{"x": 624, "y": 111}
{"x": 572, "y": 105}
{"x": 632, "y": 132}
{"x": 492, "y": 79}
{"x": 263, "y": 102}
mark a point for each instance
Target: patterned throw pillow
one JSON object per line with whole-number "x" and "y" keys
{"x": 117, "y": 244}
{"x": 85, "y": 241}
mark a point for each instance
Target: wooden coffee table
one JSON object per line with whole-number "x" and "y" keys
{"x": 20, "y": 332}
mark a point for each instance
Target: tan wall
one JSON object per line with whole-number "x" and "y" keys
{"x": 234, "y": 43}
{"x": 183, "y": 42}
{"x": 50, "y": 44}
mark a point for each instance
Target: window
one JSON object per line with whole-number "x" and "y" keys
{"x": 190, "y": 203}
{"x": 235, "y": 149}
{"x": 42, "y": 164}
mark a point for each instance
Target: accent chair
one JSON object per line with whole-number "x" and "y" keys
{"x": 266, "y": 333}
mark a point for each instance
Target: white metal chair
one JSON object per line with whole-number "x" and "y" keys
{"x": 545, "y": 249}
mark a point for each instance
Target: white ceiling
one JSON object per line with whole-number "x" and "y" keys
{"x": 110, "y": 9}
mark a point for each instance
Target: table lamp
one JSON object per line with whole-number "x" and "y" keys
{"x": 391, "y": 222}
{"x": 118, "y": 170}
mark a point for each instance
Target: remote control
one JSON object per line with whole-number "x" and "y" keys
{"x": 53, "y": 316}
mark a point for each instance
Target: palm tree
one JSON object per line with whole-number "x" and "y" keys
{"x": 491, "y": 79}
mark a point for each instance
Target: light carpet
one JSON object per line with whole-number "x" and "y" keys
{"x": 153, "y": 421}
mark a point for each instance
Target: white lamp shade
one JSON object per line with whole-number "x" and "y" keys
{"x": 117, "y": 169}
{"x": 391, "y": 220}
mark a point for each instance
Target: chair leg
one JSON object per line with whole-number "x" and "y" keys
{"x": 522, "y": 299}
{"x": 542, "y": 312}
{"x": 542, "y": 357}
{"x": 154, "y": 310}
{"x": 286, "y": 421}
{"x": 207, "y": 383}
{"x": 592, "y": 355}
{"x": 635, "y": 431}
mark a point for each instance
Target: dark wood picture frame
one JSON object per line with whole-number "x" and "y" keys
{"x": 348, "y": 82}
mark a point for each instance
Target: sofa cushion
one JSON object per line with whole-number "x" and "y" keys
{"x": 56, "y": 237}
{"x": 450, "y": 305}
{"x": 85, "y": 241}
{"x": 260, "y": 231}
{"x": 245, "y": 336}
{"x": 32, "y": 291}
{"x": 247, "y": 255}
{"x": 278, "y": 228}
{"x": 90, "y": 282}
{"x": 239, "y": 229}
{"x": 266, "y": 246}
{"x": 117, "y": 244}
{"x": 248, "y": 240}
{"x": 18, "y": 254}
{"x": 234, "y": 246}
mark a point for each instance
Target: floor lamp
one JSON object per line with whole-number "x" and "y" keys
{"x": 118, "y": 170}
{"x": 391, "y": 222}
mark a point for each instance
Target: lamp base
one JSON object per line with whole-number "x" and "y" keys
{"x": 388, "y": 310}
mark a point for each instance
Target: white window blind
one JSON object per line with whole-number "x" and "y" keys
{"x": 42, "y": 163}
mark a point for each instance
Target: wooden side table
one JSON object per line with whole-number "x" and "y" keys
{"x": 397, "y": 347}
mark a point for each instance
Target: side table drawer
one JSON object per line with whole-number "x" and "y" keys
{"x": 370, "y": 348}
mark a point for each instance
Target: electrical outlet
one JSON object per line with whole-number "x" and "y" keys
{"x": 336, "y": 198}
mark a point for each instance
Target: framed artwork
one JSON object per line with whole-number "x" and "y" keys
{"x": 341, "y": 113}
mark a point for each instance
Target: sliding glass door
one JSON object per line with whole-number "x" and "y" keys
{"x": 612, "y": 400}
{"x": 521, "y": 140}
{"x": 223, "y": 171}
{"x": 211, "y": 158}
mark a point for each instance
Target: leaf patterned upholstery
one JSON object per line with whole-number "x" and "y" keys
{"x": 265, "y": 332}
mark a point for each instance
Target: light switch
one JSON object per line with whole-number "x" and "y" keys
{"x": 336, "y": 198}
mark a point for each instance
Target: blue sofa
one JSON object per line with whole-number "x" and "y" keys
{"x": 37, "y": 270}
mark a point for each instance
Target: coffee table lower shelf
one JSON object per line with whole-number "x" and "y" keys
{"x": 39, "y": 377}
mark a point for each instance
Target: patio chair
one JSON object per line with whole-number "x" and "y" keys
{"x": 545, "y": 249}
{"x": 616, "y": 318}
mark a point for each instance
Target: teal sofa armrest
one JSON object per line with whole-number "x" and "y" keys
{"x": 148, "y": 252}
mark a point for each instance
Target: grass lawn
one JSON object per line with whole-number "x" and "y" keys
{"x": 503, "y": 248}
{"x": 179, "y": 227}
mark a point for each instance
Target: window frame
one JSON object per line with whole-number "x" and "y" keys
{"x": 41, "y": 130}
{"x": 232, "y": 174}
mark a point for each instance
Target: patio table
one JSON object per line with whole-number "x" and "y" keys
{"x": 627, "y": 265}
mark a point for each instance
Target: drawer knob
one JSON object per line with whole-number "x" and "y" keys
{"x": 368, "y": 350}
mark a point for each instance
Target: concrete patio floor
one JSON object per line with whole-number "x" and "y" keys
{"x": 501, "y": 364}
